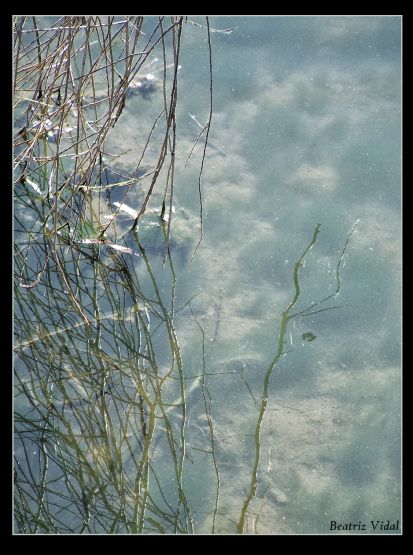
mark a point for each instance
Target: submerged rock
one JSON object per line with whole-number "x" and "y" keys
{"x": 145, "y": 86}
{"x": 152, "y": 230}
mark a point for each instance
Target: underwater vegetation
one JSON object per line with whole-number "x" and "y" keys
{"x": 131, "y": 415}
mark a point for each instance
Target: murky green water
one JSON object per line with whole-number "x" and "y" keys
{"x": 305, "y": 131}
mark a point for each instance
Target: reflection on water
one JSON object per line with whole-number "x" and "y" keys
{"x": 254, "y": 387}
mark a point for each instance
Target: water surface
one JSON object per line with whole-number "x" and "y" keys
{"x": 305, "y": 131}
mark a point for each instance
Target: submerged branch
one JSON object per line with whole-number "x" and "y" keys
{"x": 208, "y": 127}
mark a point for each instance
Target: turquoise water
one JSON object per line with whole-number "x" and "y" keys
{"x": 305, "y": 130}
{"x": 307, "y": 113}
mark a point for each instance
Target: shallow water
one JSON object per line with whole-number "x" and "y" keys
{"x": 305, "y": 131}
